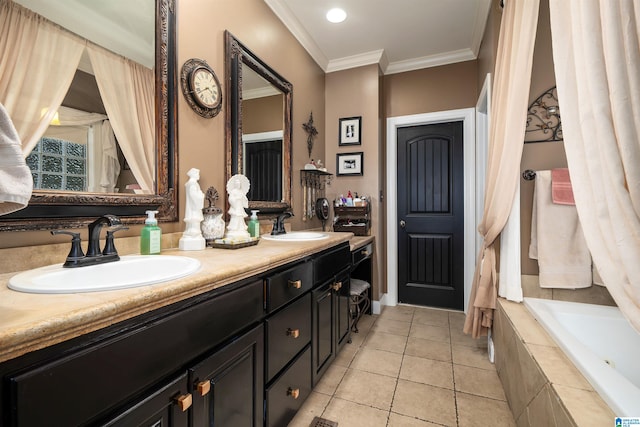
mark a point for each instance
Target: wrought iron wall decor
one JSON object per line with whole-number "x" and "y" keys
{"x": 543, "y": 119}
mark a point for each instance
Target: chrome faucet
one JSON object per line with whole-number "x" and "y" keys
{"x": 278, "y": 223}
{"x": 77, "y": 258}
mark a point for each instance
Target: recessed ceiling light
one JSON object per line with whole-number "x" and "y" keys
{"x": 336, "y": 15}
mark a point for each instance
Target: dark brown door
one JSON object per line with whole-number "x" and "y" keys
{"x": 431, "y": 215}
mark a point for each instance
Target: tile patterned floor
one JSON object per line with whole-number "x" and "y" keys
{"x": 410, "y": 367}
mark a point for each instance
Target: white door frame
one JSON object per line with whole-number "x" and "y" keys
{"x": 467, "y": 116}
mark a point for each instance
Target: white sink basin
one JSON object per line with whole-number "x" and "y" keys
{"x": 131, "y": 271}
{"x": 296, "y": 236}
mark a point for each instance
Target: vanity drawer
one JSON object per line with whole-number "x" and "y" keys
{"x": 288, "y": 285}
{"x": 361, "y": 254}
{"x": 288, "y": 332}
{"x": 328, "y": 263}
{"x": 289, "y": 392}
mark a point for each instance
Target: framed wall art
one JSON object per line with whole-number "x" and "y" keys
{"x": 349, "y": 131}
{"x": 349, "y": 164}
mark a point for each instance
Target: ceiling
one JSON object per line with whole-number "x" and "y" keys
{"x": 399, "y": 35}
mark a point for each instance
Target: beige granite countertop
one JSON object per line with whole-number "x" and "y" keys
{"x": 30, "y": 322}
{"x": 356, "y": 242}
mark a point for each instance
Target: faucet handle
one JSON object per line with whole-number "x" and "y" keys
{"x": 109, "y": 247}
{"x": 76, "y": 250}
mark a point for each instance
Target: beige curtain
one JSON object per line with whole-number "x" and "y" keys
{"x": 29, "y": 42}
{"x": 127, "y": 91}
{"x": 596, "y": 51}
{"x": 506, "y": 134}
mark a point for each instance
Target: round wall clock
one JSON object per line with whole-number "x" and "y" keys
{"x": 201, "y": 88}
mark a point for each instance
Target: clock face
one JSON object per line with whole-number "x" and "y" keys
{"x": 205, "y": 88}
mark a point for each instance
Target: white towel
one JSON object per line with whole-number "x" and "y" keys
{"x": 557, "y": 240}
{"x": 16, "y": 182}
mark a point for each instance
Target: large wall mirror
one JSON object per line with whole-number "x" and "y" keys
{"x": 258, "y": 127}
{"x": 91, "y": 158}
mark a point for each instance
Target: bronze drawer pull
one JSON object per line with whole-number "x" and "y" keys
{"x": 204, "y": 387}
{"x": 364, "y": 253}
{"x": 293, "y": 392}
{"x": 295, "y": 284}
{"x": 293, "y": 333}
{"x": 336, "y": 286}
{"x": 184, "y": 401}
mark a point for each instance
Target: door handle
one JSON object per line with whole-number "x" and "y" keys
{"x": 402, "y": 223}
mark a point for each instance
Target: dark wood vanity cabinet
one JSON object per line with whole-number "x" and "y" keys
{"x": 331, "y": 327}
{"x": 97, "y": 378}
{"x": 246, "y": 354}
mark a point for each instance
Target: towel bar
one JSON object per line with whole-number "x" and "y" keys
{"x": 529, "y": 175}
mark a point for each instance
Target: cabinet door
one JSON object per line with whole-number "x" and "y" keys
{"x": 167, "y": 407}
{"x": 228, "y": 385}
{"x": 287, "y": 394}
{"x": 323, "y": 340}
{"x": 343, "y": 319}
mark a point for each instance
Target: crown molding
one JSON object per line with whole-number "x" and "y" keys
{"x": 260, "y": 92}
{"x": 430, "y": 61}
{"x": 295, "y": 27}
{"x": 367, "y": 58}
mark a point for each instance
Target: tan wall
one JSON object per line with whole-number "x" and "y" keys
{"x": 538, "y": 156}
{"x": 201, "y": 142}
{"x": 489, "y": 46}
{"x": 262, "y": 114}
{"x": 352, "y": 93}
{"x": 431, "y": 89}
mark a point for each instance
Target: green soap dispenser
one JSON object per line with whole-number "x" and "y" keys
{"x": 254, "y": 225}
{"x": 151, "y": 235}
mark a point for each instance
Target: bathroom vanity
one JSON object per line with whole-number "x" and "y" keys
{"x": 240, "y": 343}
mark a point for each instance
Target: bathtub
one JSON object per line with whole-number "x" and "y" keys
{"x": 601, "y": 343}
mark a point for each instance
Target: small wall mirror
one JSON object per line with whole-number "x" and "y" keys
{"x": 152, "y": 23}
{"x": 258, "y": 127}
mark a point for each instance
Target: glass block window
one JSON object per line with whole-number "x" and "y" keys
{"x": 58, "y": 165}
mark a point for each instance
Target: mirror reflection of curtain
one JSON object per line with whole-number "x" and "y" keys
{"x": 127, "y": 91}
{"x": 94, "y": 131}
{"x": 30, "y": 43}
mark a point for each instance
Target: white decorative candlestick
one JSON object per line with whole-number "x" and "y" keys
{"x": 237, "y": 188}
{"x": 192, "y": 239}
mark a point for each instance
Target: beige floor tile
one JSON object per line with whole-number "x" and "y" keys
{"x": 428, "y": 349}
{"x": 427, "y": 371}
{"x": 431, "y": 317}
{"x": 312, "y": 407}
{"x": 330, "y": 380}
{"x": 359, "y": 338}
{"x": 389, "y": 326}
{"x": 471, "y": 356}
{"x": 367, "y": 388}
{"x": 430, "y": 332}
{"x": 366, "y": 322}
{"x": 425, "y": 402}
{"x": 387, "y": 342}
{"x": 346, "y": 355}
{"x": 349, "y": 414}
{"x": 400, "y": 313}
{"x": 397, "y": 420}
{"x": 377, "y": 361}
{"x": 457, "y": 318}
{"x": 474, "y": 411}
{"x": 480, "y": 382}
{"x": 460, "y": 338}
